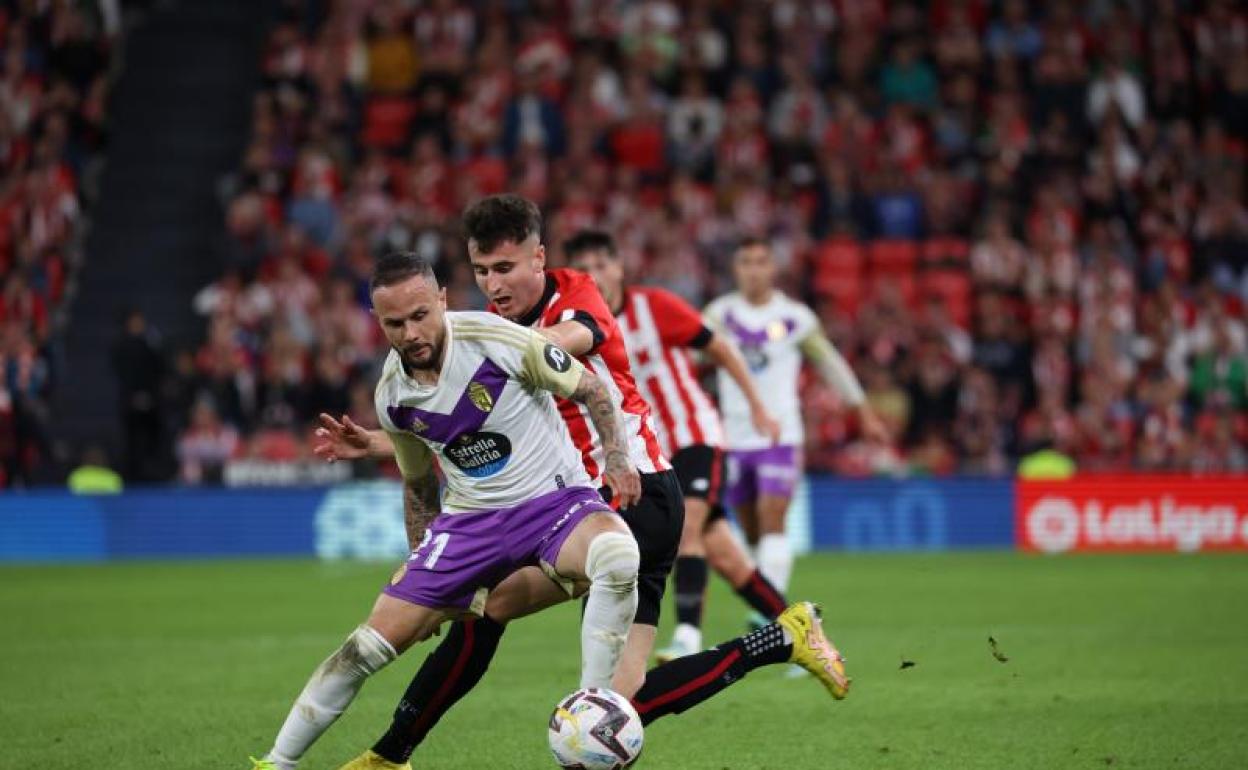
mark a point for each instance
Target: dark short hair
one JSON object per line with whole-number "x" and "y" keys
{"x": 750, "y": 241}
{"x": 398, "y": 266}
{"x": 588, "y": 240}
{"x": 501, "y": 219}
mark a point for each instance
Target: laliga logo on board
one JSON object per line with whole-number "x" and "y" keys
{"x": 1056, "y": 524}
{"x": 1053, "y": 525}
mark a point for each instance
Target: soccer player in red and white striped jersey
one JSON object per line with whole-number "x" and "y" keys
{"x": 660, "y": 330}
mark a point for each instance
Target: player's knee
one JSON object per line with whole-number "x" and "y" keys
{"x": 365, "y": 652}
{"x": 612, "y": 561}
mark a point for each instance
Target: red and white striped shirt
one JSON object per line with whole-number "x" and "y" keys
{"x": 567, "y": 293}
{"x": 659, "y": 328}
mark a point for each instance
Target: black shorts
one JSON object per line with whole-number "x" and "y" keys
{"x": 702, "y": 470}
{"x": 656, "y": 521}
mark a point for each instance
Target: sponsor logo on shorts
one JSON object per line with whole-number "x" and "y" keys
{"x": 480, "y": 453}
{"x": 480, "y": 397}
{"x": 557, "y": 358}
{"x": 572, "y": 509}
{"x": 560, "y": 521}
{"x": 399, "y": 574}
{"x": 700, "y": 485}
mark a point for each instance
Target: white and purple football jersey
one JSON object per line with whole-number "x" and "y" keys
{"x": 490, "y": 420}
{"x": 769, "y": 336}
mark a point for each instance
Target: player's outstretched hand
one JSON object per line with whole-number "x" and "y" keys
{"x": 340, "y": 440}
{"x": 873, "y": 428}
{"x": 765, "y": 424}
{"x": 623, "y": 479}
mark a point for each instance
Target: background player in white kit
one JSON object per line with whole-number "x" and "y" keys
{"x": 475, "y": 389}
{"x": 775, "y": 333}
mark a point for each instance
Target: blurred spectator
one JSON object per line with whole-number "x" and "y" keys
{"x": 139, "y": 364}
{"x": 206, "y": 445}
{"x": 94, "y": 476}
{"x": 1219, "y": 375}
{"x": 1116, "y": 92}
{"x": 907, "y": 79}
{"x": 392, "y": 62}
{"x": 1014, "y": 35}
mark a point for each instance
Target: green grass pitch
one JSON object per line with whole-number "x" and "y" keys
{"x": 1124, "y": 662}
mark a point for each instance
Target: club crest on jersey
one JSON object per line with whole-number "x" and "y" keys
{"x": 480, "y": 397}
{"x": 777, "y": 330}
{"x": 418, "y": 425}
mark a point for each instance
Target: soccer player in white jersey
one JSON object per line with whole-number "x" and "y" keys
{"x": 659, "y": 331}
{"x": 775, "y": 333}
{"x": 474, "y": 390}
{"x": 566, "y": 306}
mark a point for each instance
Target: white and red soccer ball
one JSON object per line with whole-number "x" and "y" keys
{"x": 595, "y": 729}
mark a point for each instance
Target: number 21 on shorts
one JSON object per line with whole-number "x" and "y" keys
{"x": 439, "y": 545}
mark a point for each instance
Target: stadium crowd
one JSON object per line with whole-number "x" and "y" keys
{"x": 54, "y": 59}
{"x": 1022, "y": 222}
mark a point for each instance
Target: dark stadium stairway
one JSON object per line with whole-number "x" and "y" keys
{"x": 179, "y": 118}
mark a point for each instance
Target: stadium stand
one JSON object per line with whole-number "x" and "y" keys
{"x": 54, "y": 59}
{"x": 1024, "y": 223}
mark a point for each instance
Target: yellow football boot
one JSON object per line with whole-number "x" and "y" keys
{"x": 370, "y": 760}
{"x": 812, "y": 650}
{"x": 262, "y": 764}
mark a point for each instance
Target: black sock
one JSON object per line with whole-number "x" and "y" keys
{"x": 690, "y": 579}
{"x": 450, "y": 671}
{"x": 765, "y": 598}
{"x": 685, "y": 682}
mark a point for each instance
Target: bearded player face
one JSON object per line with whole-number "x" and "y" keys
{"x": 412, "y": 314}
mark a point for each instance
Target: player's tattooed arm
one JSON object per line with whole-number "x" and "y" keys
{"x": 421, "y": 506}
{"x": 420, "y": 485}
{"x": 619, "y": 473}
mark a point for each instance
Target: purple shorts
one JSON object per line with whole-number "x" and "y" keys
{"x": 464, "y": 555}
{"x": 753, "y": 473}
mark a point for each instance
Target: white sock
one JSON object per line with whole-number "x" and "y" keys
{"x": 775, "y": 560}
{"x": 687, "y": 636}
{"x": 611, "y": 564}
{"x": 328, "y": 693}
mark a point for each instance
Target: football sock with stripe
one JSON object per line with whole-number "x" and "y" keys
{"x": 690, "y": 575}
{"x": 763, "y": 597}
{"x": 448, "y": 674}
{"x": 685, "y": 682}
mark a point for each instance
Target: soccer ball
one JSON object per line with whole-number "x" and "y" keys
{"x": 595, "y": 729}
